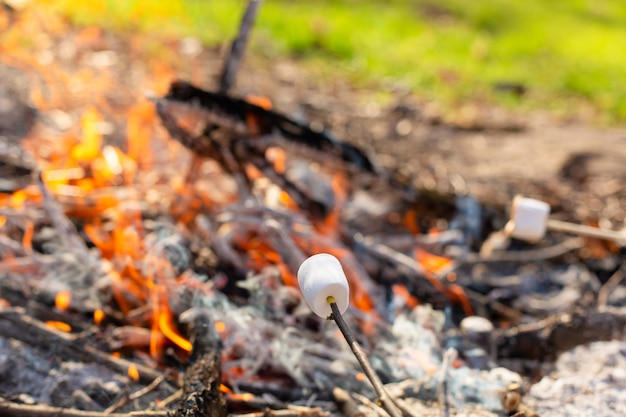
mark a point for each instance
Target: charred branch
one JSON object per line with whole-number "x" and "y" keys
{"x": 201, "y": 387}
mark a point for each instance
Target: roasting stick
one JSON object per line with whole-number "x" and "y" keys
{"x": 325, "y": 289}
{"x": 588, "y": 231}
{"x": 232, "y": 62}
{"x": 383, "y": 396}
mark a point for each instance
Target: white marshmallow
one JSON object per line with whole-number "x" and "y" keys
{"x": 320, "y": 277}
{"x": 529, "y": 218}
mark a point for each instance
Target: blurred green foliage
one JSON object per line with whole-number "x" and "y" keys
{"x": 567, "y": 55}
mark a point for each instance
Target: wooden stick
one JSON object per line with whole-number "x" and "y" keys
{"x": 609, "y": 286}
{"x": 346, "y": 403}
{"x": 383, "y": 396}
{"x": 231, "y": 65}
{"x": 9, "y": 409}
{"x": 583, "y": 230}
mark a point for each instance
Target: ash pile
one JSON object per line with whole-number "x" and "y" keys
{"x": 150, "y": 249}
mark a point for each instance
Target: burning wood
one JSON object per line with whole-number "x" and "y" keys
{"x": 127, "y": 284}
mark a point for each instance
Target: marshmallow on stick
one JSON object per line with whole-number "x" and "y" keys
{"x": 529, "y": 221}
{"x": 529, "y": 218}
{"x": 321, "y": 276}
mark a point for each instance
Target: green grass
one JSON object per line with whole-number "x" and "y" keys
{"x": 569, "y": 54}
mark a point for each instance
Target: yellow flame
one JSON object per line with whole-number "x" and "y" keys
{"x": 89, "y": 147}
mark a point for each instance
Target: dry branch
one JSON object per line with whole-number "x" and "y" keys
{"x": 201, "y": 388}
{"x": 16, "y": 323}
{"x": 546, "y": 338}
{"x": 9, "y": 409}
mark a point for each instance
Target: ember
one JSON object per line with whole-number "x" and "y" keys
{"x": 150, "y": 249}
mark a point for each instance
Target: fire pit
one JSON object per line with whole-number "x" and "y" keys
{"x": 151, "y": 232}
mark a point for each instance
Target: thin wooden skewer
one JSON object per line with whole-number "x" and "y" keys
{"x": 582, "y": 230}
{"x": 383, "y": 396}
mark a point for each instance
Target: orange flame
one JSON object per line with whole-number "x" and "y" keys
{"x": 62, "y": 300}
{"x": 59, "y": 325}
{"x": 133, "y": 372}
{"x": 431, "y": 262}
{"x": 98, "y": 316}
{"x": 260, "y": 101}
{"x": 139, "y": 131}
{"x": 278, "y": 157}
{"x": 220, "y": 327}
{"x": 89, "y": 147}
{"x": 401, "y": 291}
{"x": 27, "y": 239}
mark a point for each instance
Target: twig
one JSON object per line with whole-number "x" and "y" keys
{"x": 17, "y": 324}
{"x": 383, "y": 397}
{"x": 609, "y": 285}
{"x": 231, "y": 65}
{"x": 135, "y": 395}
{"x": 526, "y": 256}
{"x": 449, "y": 355}
{"x": 346, "y": 403}
{"x": 300, "y": 412}
{"x": 9, "y": 409}
{"x": 67, "y": 232}
{"x": 370, "y": 404}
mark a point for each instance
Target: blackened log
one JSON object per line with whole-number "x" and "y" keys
{"x": 218, "y": 110}
{"x": 201, "y": 386}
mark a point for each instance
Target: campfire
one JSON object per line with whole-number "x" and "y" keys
{"x": 151, "y": 232}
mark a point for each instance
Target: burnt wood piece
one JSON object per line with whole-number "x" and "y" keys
{"x": 224, "y": 112}
{"x": 201, "y": 385}
{"x": 549, "y": 337}
{"x": 16, "y": 165}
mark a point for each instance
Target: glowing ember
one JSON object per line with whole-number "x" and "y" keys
{"x": 59, "y": 325}
{"x": 220, "y": 327}
{"x": 133, "y": 372}
{"x": 62, "y": 300}
{"x": 98, "y": 316}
